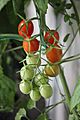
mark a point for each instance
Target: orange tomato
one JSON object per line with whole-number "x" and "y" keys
{"x": 31, "y": 46}
{"x": 51, "y": 70}
{"x": 54, "y": 54}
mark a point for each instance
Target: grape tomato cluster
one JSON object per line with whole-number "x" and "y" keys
{"x": 34, "y": 81}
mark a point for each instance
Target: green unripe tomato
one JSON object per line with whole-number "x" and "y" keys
{"x": 46, "y": 91}
{"x": 25, "y": 87}
{"x": 35, "y": 95}
{"x": 41, "y": 79}
{"x": 26, "y": 73}
{"x": 33, "y": 60}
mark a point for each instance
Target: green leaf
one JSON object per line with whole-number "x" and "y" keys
{"x": 1, "y": 71}
{"x": 78, "y": 107}
{"x": 66, "y": 37}
{"x": 74, "y": 116}
{"x": 71, "y": 117}
{"x": 75, "y": 99}
{"x": 42, "y": 117}
{"x": 42, "y": 5}
{"x": 10, "y": 36}
{"x": 27, "y": 2}
{"x": 3, "y": 46}
{"x": 21, "y": 112}
{"x": 68, "y": 6}
{"x": 66, "y": 18}
{"x": 7, "y": 92}
{"x": 3, "y": 3}
{"x": 31, "y": 104}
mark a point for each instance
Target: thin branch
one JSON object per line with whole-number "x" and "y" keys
{"x": 76, "y": 13}
{"x": 48, "y": 108}
{"x": 71, "y": 41}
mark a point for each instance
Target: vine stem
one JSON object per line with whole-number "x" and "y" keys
{"x": 71, "y": 41}
{"x": 53, "y": 106}
{"x": 65, "y": 86}
{"x": 75, "y": 10}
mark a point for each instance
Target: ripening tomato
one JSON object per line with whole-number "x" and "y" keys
{"x": 31, "y": 46}
{"x": 50, "y": 36}
{"x": 25, "y": 29}
{"x": 52, "y": 70}
{"x": 54, "y": 54}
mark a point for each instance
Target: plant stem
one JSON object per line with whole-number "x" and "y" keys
{"x": 54, "y": 105}
{"x": 71, "y": 41}
{"x": 65, "y": 86}
{"x": 75, "y": 10}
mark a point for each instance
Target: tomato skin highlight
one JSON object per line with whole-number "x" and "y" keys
{"x": 55, "y": 54}
{"x": 31, "y": 46}
{"x": 24, "y": 30}
{"x": 48, "y": 36}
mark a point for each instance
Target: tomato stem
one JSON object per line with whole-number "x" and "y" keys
{"x": 65, "y": 86}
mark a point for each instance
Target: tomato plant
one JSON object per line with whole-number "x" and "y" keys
{"x": 25, "y": 29}
{"x": 31, "y": 46}
{"x": 54, "y": 54}
{"x": 45, "y": 55}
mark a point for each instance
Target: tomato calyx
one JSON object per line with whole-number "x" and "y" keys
{"x": 41, "y": 79}
{"x": 33, "y": 59}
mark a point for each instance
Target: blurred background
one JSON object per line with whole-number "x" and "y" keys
{"x": 9, "y": 60}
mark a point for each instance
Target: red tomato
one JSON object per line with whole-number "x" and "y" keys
{"x": 31, "y": 46}
{"x": 50, "y": 36}
{"x": 25, "y": 30}
{"x": 55, "y": 54}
